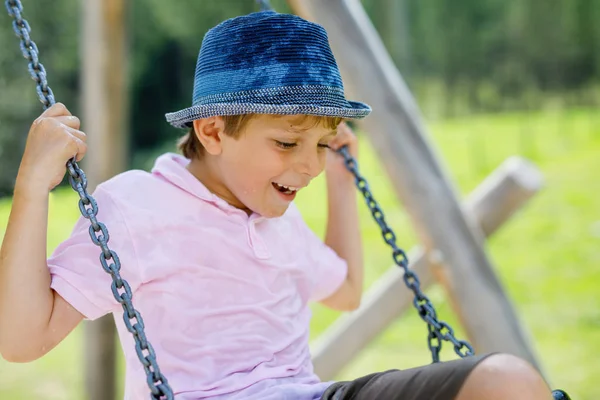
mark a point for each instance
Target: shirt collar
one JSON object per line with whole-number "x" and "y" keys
{"x": 172, "y": 168}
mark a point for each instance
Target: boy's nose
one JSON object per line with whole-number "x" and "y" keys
{"x": 311, "y": 164}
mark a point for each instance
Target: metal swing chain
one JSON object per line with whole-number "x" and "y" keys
{"x": 439, "y": 331}
{"x": 157, "y": 382}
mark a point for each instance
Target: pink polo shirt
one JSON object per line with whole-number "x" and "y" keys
{"x": 224, "y": 296}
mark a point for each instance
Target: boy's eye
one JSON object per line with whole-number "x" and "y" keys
{"x": 288, "y": 145}
{"x": 285, "y": 145}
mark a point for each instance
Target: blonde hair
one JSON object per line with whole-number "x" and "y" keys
{"x": 190, "y": 145}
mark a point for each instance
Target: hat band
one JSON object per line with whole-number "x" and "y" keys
{"x": 307, "y": 72}
{"x": 307, "y": 94}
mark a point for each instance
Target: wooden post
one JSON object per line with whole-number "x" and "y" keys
{"x": 103, "y": 120}
{"x": 400, "y": 138}
{"x": 492, "y": 203}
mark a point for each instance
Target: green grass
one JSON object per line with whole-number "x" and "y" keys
{"x": 547, "y": 256}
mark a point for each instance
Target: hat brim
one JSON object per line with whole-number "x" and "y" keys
{"x": 185, "y": 117}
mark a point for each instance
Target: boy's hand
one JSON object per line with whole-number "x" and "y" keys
{"x": 335, "y": 166}
{"x": 54, "y": 138}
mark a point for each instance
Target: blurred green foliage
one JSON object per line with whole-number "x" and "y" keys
{"x": 459, "y": 57}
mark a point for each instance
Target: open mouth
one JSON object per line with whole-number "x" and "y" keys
{"x": 285, "y": 189}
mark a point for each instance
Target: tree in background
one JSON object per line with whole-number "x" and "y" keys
{"x": 478, "y": 55}
{"x": 56, "y": 34}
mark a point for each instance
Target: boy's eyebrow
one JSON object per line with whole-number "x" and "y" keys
{"x": 291, "y": 129}
{"x": 301, "y": 131}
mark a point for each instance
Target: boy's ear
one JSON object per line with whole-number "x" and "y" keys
{"x": 209, "y": 131}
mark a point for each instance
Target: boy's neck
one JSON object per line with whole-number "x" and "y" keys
{"x": 207, "y": 172}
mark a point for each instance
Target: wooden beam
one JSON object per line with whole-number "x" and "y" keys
{"x": 105, "y": 104}
{"x": 104, "y": 118}
{"x": 398, "y": 134}
{"x": 491, "y": 204}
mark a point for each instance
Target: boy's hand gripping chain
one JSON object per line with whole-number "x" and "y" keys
{"x": 159, "y": 387}
{"x": 439, "y": 331}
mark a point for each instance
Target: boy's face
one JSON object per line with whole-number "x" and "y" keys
{"x": 264, "y": 168}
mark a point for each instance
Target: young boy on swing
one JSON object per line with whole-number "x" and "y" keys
{"x": 221, "y": 264}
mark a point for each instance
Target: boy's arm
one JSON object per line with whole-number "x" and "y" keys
{"x": 33, "y": 318}
{"x": 343, "y": 230}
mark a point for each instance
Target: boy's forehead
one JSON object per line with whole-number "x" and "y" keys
{"x": 300, "y": 123}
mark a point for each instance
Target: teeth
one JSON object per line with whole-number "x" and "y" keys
{"x": 291, "y": 188}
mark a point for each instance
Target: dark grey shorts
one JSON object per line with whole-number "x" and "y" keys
{"x": 441, "y": 381}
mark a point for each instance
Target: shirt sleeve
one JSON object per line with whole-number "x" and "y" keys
{"x": 75, "y": 269}
{"x": 328, "y": 270}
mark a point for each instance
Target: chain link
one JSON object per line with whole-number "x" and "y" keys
{"x": 109, "y": 260}
{"x": 438, "y": 331}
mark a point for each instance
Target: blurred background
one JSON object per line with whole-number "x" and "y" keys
{"x": 493, "y": 79}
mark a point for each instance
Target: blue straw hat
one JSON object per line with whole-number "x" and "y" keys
{"x": 267, "y": 63}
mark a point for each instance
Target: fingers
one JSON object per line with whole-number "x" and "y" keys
{"x": 77, "y": 133}
{"x": 81, "y": 150}
{"x": 77, "y": 144}
{"x": 344, "y": 137}
{"x": 70, "y": 121}
{"x": 57, "y": 113}
{"x": 344, "y": 128}
{"x": 334, "y": 144}
{"x": 57, "y": 110}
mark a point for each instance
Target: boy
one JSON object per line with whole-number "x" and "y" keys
{"x": 220, "y": 262}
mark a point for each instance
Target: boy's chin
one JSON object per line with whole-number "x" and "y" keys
{"x": 273, "y": 211}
